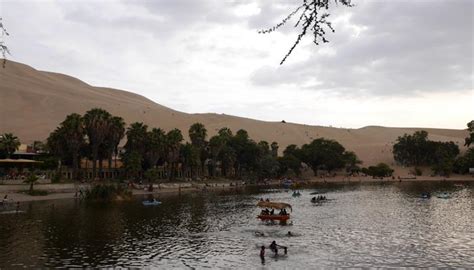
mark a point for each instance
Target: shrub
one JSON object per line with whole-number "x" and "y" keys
{"x": 56, "y": 178}
{"x": 104, "y": 192}
{"x": 380, "y": 170}
{"x": 417, "y": 171}
{"x": 37, "y": 192}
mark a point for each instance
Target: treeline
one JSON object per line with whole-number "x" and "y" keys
{"x": 443, "y": 157}
{"x": 97, "y": 135}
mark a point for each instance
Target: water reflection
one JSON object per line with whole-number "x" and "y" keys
{"x": 386, "y": 225}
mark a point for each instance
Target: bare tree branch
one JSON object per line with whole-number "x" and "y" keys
{"x": 311, "y": 18}
{"x": 3, "y": 47}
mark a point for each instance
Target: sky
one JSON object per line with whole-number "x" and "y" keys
{"x": 397, "y": 63}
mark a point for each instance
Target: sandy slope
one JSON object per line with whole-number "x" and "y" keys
{"x": 33, "y": 103}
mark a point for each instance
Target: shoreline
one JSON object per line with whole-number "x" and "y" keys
{"x": 68, "y": 190}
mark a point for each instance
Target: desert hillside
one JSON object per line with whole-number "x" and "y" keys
{"x": 33, "y": 103}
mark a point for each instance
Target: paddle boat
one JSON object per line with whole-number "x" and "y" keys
{"x": 283, "y": 216}
{"x": 151, "y": 202}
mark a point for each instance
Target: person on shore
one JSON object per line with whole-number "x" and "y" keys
{"x": 5, "y": 199}
{"x": 262, "y": 254}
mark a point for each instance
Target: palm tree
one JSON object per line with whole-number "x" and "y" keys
{"x": 9, "y": 143}
{"x": 136, "y": 138}
{"x": 32, "y": 179}
{"x": 156, "y": 144}
{"x": 73, "y": 131}
{"x": 173, "y": 143}
{"x": 57, "y": 146}
{"x": 198, "y": 134}
{"x": 274, "y": 147}
{"x": 135, "y": 147}
{"x": 97, "y": 124}
{"x": 116, "y": 134}
{"x": 189, "y": 157}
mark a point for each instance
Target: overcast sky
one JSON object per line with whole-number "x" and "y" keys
{"x": 390, "y": 63}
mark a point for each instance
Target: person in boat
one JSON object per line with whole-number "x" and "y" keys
{"x": 284, "y": 212}
{"x": 261, "y": 199}
{"x": 272, "y": 212}
{"x": 267, "y": 200}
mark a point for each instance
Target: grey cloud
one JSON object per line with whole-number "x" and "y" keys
{"x": 407, "y": 47}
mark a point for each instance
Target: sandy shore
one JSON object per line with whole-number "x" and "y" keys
{"x": 68, "y": 191}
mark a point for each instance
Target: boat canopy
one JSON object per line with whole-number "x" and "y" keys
{"x": 276, "y": 205}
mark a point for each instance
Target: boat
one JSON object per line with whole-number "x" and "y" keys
{"x": 274, "y": 217}
{"x": 425, "y": 195}
{"x": 296, "y": 194}
{"x": 151, "y": 203}
{"x": 318, "y": 199}
{"x": 443, "y": 195}
{"x": 287, "y": 183}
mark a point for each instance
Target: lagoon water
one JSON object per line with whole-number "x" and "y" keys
{"x": 362, "y": 225}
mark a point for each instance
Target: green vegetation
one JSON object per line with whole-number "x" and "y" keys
{"x": 470, "y": 139}
{"x": 153, "y": 153}
{"x": 8, "y": 145}
{"x": 96, "y": 136}
{"x": 416, "y": 150}
{"x": 37, "y": 192}
{"x": 380, "y": 170}
{"x": 464, "y": 162}
{"x": 108, "y": 192}
{"x": 320, "y": 154}
{"x": 32, "y": 179}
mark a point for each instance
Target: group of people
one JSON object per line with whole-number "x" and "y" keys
{"x": 318, "y": 198}
{"x": 272, "y": 212}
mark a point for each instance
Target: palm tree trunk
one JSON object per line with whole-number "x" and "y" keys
{"x": 74, "y": 166}
{"x": 95, "y": 153}
{"x": 101, "y": 171}
{"x": 110, "y": 163}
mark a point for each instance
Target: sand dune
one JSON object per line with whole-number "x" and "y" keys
{"x": 33, "y": 103}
